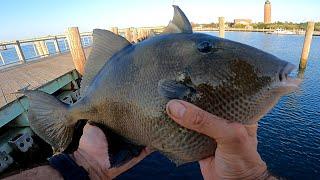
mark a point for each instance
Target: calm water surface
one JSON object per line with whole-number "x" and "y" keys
{"x": 289, "y": 135}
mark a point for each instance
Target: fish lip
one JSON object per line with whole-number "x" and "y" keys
{"x": 287, "y": 69}
{"x": 286, "y": 84}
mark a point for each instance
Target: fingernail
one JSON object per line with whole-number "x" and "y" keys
{"x": 176, "y": 109}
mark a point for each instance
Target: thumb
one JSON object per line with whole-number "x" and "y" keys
{"x": 194, "y": 118}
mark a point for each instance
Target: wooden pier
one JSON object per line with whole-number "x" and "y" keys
{"x": 48, "y": 74}
{"x": 34, "y": 74}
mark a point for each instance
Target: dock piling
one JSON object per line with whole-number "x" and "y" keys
{"x": 128, "y": 34}
{"x": 221, "y": 27}
{"x": 19, "y": 51}
{"x": 134, "y": 35}
{"x": 306, "y": 45}
{"x": 44, "y": 48}
{"x": 39, "y": 49}
{"x": 115, "y": 30}
{"x": 75, "y": 45}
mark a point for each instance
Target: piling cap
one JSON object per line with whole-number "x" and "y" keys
{"x": 267, "y": 2}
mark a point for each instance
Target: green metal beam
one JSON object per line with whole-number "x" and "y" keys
{"x": 13, "y": 110}
{"x": 8, "y": 135}
{"x": 19, "y": 106}
{"x": 60, "y": 82}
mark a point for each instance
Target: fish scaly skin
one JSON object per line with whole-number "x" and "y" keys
{"x": 127, "y": 90}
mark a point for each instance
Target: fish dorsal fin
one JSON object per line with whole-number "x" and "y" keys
{"x": 179, "y": 23}
{"x": 105, "y": 45}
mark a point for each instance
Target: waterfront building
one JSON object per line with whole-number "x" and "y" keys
{"x": 267, "y": 12}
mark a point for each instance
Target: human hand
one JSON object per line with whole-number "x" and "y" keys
{"x": 236, "y": 156}
{"x": 92, "y": 155}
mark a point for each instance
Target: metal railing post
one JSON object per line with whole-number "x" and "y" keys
{"x": 1, "y": 59}
{"x": 19, "y": 51}
{"x": 56, "y": 45}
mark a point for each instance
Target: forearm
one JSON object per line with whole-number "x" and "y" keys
{"x": 38, "y": 173}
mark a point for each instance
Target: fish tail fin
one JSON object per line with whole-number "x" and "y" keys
{"x": 50, "y": 119}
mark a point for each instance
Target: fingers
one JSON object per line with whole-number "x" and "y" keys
{"x": 252, "y": 129}
{"x": 208, "y": 169}
{"x": 192, "y": 117}
{"x": 114, "y": 172}
{"x": 95, "y": 170}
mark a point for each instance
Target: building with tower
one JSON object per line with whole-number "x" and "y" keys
{"x": 267, "y": 12}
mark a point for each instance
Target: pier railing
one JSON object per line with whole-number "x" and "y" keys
{"x": 21, "y": 51}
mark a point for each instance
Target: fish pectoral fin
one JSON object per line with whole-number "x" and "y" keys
{"x": 172, "y": 89}
{"x": 179, "y": 23}
{"x": 105, "y": 45}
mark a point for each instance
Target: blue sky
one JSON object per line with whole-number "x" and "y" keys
{"x": 31, "y": 18}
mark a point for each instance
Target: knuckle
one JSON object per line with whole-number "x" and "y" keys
{"x": 239, "y": 136}
{"x": 199, "y": 120}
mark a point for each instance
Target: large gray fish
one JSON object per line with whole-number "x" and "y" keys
{"x": 126, "y": 87}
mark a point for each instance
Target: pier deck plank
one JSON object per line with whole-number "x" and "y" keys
{"x": 2, "y": 98}
{"x": 36, "y": 74}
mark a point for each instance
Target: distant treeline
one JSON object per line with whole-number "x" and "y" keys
{"x": 283, "y": 25}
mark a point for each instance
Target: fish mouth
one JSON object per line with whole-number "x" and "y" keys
{"x": 286, "y": 84}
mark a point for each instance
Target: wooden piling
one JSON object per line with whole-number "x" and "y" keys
{"x": 44, "y": 48}
{"x": 300, "y": 74}
{"x": 39, "y": 49}
{"x": 221, "y": 27}
{"x": 19, "y": 51}
{"x": 78, "y": 56}
{"x": 134, "y": 35}
{"x": 56, "y": 44}
{"x": 306, "y": 45}
{"x": 115, "y": 30}
{"x": 139, "y": 33}
{"x": 128, "y": 34}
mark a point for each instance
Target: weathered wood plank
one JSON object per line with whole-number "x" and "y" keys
{"x": 8, "y": 88}
{"x": 3, "y": 101}
{"x": 36, "y": 74}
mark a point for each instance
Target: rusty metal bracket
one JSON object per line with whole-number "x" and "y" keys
{"x": 22, "y": 142}
{"x": 5, "y": 161}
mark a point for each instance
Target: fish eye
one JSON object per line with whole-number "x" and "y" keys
{"x": 205, "y": 46}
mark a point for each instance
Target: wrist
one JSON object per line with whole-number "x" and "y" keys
{"x": 67, "y": 167}
{"x": 258, "y": 172}
{"x": 268, "y": 176}
{"x": 95, "y": 170}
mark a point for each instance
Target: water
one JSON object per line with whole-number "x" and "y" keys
{"x": 10, "y": 55}
{"x": 289, "y": 135}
